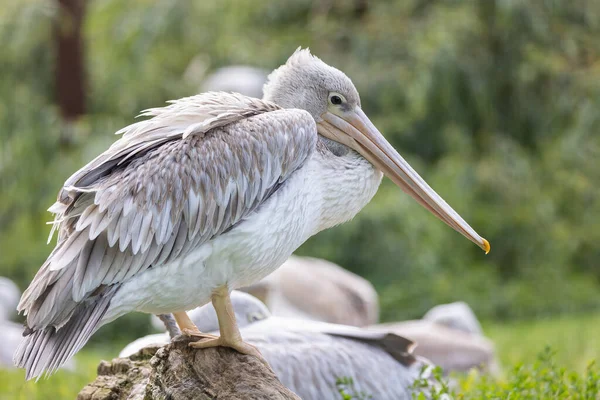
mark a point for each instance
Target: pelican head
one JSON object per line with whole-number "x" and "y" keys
{"x": 307, "y": 83}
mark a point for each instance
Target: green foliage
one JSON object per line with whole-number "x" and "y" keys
{"x": 431, "y": 384}
{"x": 347, "y": 390}
{"x": 543, "y": 379}
{"x": 493, "y": 102}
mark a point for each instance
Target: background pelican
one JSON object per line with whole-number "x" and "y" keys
{"x": 10, "y": 332}
{"x": 311, "y": 288}
{"x": 214, "y": 192}
{"x": 451, "y": 349}
{"x": 308, "y": 356}
{"x": 242, "y": 79}
{"x": 457, "y": 315}
{"x": 9, "y": 298}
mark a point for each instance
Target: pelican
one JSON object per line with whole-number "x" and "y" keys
{"x": 9, "y": 298}
{"x": 457, "y": 315}
{"x": 452, "y": 349}
{"x": 308, "y": 356}
{"x": 450, "y": 336}
{"x": 242, "y": 79}
{"x": 319, "y": 290}
{"x": 212, "y": 193}
{"x": 10, "y": 337}
{"x": 10, "y": 332}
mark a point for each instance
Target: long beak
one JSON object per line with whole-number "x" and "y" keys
{"x": 354, "y": 129}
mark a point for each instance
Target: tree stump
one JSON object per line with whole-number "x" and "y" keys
{"x": 177, "y": 371}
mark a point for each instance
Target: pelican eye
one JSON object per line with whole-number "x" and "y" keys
{"x": 256, "y": 316}
{"x": 336, "y": 99}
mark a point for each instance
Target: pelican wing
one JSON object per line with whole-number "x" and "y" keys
{"x": 311, "y": 363}
{"x": 191, "y": 172}
{"x": 399, "y": 347}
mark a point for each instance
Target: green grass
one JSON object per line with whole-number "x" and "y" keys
{"x": 529, "y": 370}
{"x": 542, "y": 379}
{"x": 575, "y": 339}
{"x": 553, "y": 358}
{"x": 62, "y": 385}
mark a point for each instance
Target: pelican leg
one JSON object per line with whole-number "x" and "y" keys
{"x": 170, "y": 324}
{"x": 230, "y": 333}
{"x": 188, "y": 328}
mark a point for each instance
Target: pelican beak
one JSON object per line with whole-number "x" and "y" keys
{"x": 354, "y": 129}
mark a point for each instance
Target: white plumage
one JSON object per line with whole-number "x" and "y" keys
{"x": 245, "y": 254}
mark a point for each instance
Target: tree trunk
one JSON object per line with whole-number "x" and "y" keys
{"x": 70, "y": 68}
{"x": 177, "y": 371}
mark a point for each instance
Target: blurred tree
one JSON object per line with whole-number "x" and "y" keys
{"x": 70, "y": 70}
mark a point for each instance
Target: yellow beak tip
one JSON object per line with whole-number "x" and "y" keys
{"x": 486, "y": 246}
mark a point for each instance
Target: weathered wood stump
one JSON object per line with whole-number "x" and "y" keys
{"x": 177, "y": 371}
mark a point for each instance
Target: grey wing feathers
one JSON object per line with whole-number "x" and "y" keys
{"x": 171, "y": 183}
{"x": 310, "y": 363}
{"x": 189, "y": 115}
{"x": 399, "y": 347}
{"x": 45, "y": 350}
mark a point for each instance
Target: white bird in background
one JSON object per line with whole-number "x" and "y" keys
{"x": 457, "y": 315}
{"x": 212, "y": 193}
{"x": 311, "y": 288}
{"x": 9, "y": 298}
{"x": 309, "y": 356}
{"x": 451, "y": 349}
{"x": 242, "y": 79}
{"x": 10, "y": 332}
{"x": 451, "y": 336}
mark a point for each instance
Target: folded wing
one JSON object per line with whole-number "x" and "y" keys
{"x": 194, "y": 170}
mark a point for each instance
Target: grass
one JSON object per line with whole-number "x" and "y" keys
{"x": 575, "y": 339}
{"x": 63, "y": 385}
{"x": 542, "y": 379}
{"x": 530, "y": 369}
{"x": 553, "y": 358}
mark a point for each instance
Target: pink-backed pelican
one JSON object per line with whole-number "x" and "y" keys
{"x": 212, "y": 193}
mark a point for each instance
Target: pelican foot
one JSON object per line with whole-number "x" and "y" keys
{"x": 188, "y": 328}
{"x": 195, "y": 333}
{"x": 238, "y": 345}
